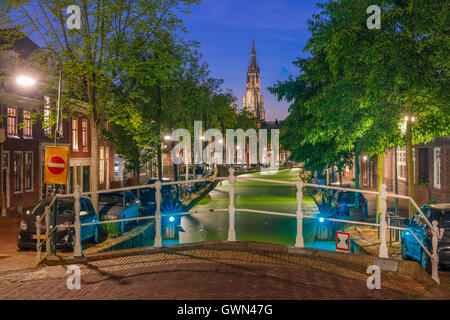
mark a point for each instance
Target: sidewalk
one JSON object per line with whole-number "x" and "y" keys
{"x": 10, "y": 257}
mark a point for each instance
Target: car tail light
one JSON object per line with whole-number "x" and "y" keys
{"x": 337, "y": 205}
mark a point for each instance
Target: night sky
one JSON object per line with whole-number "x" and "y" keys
{"x": 224, "y": 29}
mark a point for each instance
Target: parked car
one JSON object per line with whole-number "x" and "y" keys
{"x": 411, "y": 249}
{"x": 345, "y": 200}
{"x": 119, "y": 205}
{"x": 147, "y": 196}
{"x": 27, "y": 236}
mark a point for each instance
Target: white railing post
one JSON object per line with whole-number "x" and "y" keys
{"x": 48, "y": 251}
{"x": 77, "y": 250}
{"x": 231, "y": 208}
{"x": 383, "y": 253}
{"x": 437, "y": 235}
{"x": 299, "y": 239}
{"x": 38, "y": 235}
{"x": 158, "y": 239}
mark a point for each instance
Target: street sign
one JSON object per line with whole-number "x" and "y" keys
{"x": 56, "y": 159}
{"x": 342, "y": 241}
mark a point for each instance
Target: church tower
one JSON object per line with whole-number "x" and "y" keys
{"x": 253, "y": 99}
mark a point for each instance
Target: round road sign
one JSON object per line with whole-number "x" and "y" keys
{"x": 56, "y": 165}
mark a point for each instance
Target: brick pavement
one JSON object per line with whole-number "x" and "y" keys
{"x": 211, "y": 273}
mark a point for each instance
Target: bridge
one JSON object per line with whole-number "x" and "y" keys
{"x": 242, "y": 255}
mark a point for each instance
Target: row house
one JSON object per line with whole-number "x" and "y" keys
{"x": 23, "y": 149}
{"x": 431, "y": 163}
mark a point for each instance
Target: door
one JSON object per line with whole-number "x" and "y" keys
{"x": 86, "y": 178}
{"x": 418, "y": 227}
{"x": 5, "y": 178}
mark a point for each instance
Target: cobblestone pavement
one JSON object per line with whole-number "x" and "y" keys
{"x": 211, "y": 274}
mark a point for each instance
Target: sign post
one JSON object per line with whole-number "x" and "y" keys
{"x": 55, "y": 172}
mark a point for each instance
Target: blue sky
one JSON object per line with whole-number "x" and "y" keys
{"x": 224, "y": 29}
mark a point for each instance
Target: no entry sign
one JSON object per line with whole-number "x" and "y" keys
{"x": 342, "y": 241}
{"x": 56, "y": 165}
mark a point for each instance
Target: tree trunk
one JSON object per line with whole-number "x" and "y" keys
{"x": 410, "y": 167}
{"x": 138, "y": 182}
{"x": 94, "y": 163}
{"x": 379, "y": 180}
{"x": 159, "y": 155}
{"x": 340, "y": 176}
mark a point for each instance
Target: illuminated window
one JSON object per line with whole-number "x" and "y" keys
{"x": 437, "y": 168}
{"x": 12, "y": 122}
{"x": 46, "y": 125}
{"x": 17, "y": 167}
{"x": 75, "y": 135}
{"x": 84, "y": 135}
{"x": 101, "y": 170}
{"x": 27, "y": 128}
{"x": 28, "y": 171}
{"x": 401, "y": 163}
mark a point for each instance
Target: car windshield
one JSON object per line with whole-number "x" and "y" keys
{"x": 345, "y": 196}
{"x": 63, "y": 205}
{"x": 446, "y": 220}
{"x": 113, "y": 199}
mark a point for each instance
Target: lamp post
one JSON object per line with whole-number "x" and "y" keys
{"x": 26, "y": 81}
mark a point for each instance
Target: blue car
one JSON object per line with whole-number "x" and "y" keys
{"x": 345, "y": 200}
{"x": 27, "y": 236}
{"x": 119, "y": 205}
{"x": 412, "y": 250}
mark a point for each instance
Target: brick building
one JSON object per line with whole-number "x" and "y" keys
{"x": 431, "y": 171}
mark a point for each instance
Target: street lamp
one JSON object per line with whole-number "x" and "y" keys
{"x": 27, "y": 81}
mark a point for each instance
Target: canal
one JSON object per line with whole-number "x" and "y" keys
{"x": 252, "y": 226}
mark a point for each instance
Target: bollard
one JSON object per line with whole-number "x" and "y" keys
{"x": 437, "y": 235}
{"x": 77, "y": 250}
{"x": 38, "y": 243}
{"x": 383, "y": 253}
{"x": 48, "y": 250}
{"x": 299, "y": 239}
{"x": 231, "y": 208}
{"x": 158, "y": 239}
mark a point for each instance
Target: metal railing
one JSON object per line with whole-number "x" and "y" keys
{"x": 299, "y": 240}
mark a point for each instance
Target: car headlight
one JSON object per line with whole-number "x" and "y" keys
{"x": 23, "y": 225}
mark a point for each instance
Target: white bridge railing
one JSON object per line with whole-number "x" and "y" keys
{"x": 299, "y": 241}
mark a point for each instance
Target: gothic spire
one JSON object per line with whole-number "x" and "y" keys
{"x": 253, "y": 64}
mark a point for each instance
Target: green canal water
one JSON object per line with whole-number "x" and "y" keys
{"x": 253, "y": 226}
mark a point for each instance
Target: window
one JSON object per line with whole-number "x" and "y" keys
{"x": 401, "y": 163}
{"x": 75, "y": 135}
{"x": 414, "y": 164}
{"x": 46, "y": 125}
{"x": 17, "y": 171}
{"x": 101, "y": 170}
{"x": 12, "y": 122}
{"x": 84, "y": 135}
{"x": 27, "y": 128}
{"x": 28, "y": 171}
{"x": 437, "y": 168}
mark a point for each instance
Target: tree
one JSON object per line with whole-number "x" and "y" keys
{"x": 359, "y": 84}
{"x": 93, "y": 55}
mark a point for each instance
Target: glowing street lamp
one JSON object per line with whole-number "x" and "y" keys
{"x": 25, "y": 81}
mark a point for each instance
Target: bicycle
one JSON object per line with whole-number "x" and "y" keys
{"x": 184, "y": 192}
